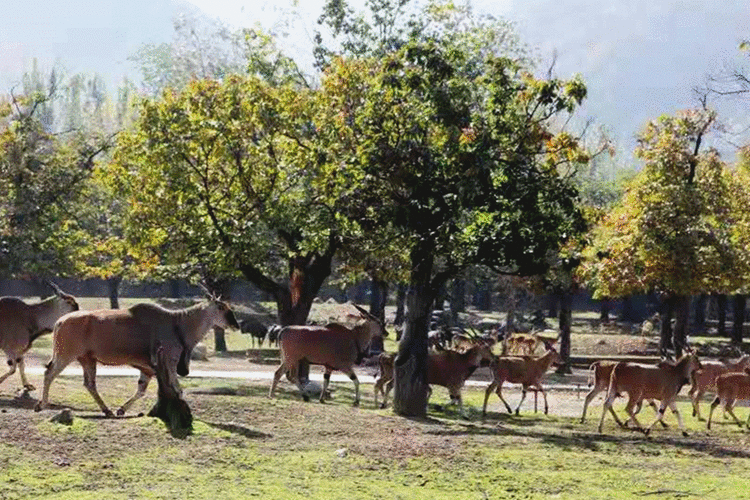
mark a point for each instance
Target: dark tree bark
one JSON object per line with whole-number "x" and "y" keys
{"x": 565, "y": 321}
{"x": 113, "y": 287}
{"x": 410, "y": 367}
{"x": 458, "y": 299}
{"x": 483, "y": 295}
{"x": 378, "y": 300}
{"x": 700, "y": 313}
{"x": 665, "y": 331}
{"x": 605, "y": 306}
{"x": 738, "y": 311}
{"x": 174, "y": 288}
{"x": 170, "y": 407}
{"x": 220, "y": 342}
{"x": 681, "y": 317}
{"x": 721, "y": 313}
{"x": 400, "y": 304}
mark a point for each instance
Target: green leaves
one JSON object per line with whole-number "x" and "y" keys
{"x": 677, "y": 228}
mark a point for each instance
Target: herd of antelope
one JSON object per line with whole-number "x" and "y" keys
{"x": 134, "y": 336}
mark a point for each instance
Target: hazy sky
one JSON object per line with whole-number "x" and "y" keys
{"x": 639, "y": 58}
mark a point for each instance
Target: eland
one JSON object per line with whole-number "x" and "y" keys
{"x": 131, "y": 337}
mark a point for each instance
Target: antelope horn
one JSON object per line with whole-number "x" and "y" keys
{"x": 56, "y": 288}
{"x": 365, "y": 313}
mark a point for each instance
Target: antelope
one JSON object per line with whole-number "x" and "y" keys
{"x": 662, "y": 382}
{"x": 131, "y": 337}
{"x": 526, "y": 370}
{"x": 600, "y": 372}
{"x": 731, "y": 387}
{"x": 449, "y": 369}
{"x": 333, "y": 346}
{"x": 22, "y": 323}
{"x": 705, "y": 378}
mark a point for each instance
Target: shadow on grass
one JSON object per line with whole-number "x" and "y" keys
{"x": 239, "y": 430}
{"x": 572, "y": 438}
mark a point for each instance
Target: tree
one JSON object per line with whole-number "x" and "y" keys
{"x": 220, "y": 180}
{"x": 43, "y": 171}
{"x": 457, "y": 154}
{"x": 678, "y": 229}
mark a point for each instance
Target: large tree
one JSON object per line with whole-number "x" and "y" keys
{"x": 456, "y": 153}
{"x": 220, "y": 178}
{"x": 679, "y": 230}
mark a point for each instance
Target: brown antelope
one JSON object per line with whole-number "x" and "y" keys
{"x": 131, "y": 337}
{"x": 22, "y": 323}
{"x": 333, "y": 346}
{"x": 449, "y": 369}
{"x": 731, "y": 387}
{"x": 662, "y": 382}
{"x": 600, "y": 373}
{"x": 705, "y": 378}
{"x": 526, "y": 370}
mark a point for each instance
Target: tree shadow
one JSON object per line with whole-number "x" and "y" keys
{"x": 239, "y": 429}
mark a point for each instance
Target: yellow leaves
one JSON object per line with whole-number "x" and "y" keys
{"x": 564, "y": 148}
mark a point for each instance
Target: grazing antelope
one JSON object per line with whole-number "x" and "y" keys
{"x": 131, "y": 337}
{"x": 662, "y": 382}
{"x": 22, "y": 323}
{"x": 333, "y": 346}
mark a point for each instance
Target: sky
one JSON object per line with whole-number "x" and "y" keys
{"x": 639, "y": 58}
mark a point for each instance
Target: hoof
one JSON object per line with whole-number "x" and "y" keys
{"x": 306, "y": 398}
{"x": 684, "y": 434}
{"x": 382, "y": 406}
{"x": 120, "y": 412}
{"x": 38, "y": 407}
{"x": 646, "y": 432}
{"x": 29, "y": 387}
{"x": 108, "y": 414}
{"x": 355, "y": 404}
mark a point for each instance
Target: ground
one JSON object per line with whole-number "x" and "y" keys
{"x": 246, "y": 445}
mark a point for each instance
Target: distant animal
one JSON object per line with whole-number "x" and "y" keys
{"x": 131, "y": 337}
{"x": 256, "y": 329}
{"x": 334, "y": 346}
{"x": 273, "y": 334}
{"x": 22, "y": 323}
{"x": 641, "y": 382}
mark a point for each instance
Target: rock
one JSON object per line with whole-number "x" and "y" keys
{"x": 65, "y": 417}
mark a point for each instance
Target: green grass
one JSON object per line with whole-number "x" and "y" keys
{"x": 245, "y": 445}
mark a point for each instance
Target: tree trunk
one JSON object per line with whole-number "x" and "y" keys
{"x": 565, "y": 321}
{"x": 220, "y": 342}
{"x": 605, "y": 307}
{"x": 458, "y": 299}
{"x": 113, "y": 286}
{"x": 410, "y": 367}
{"x": 378, "y": 299}
{"x": 738, "y": 310}
{"x": 721, "y": 314}
{"x": 682, "y": 317}
{"x": 665, "y": 331}
{"x": 700, "y": 313}
{"x": 400, "y": 303}
{"x": 483, "y": 295}
{"x": 170, "y": 407}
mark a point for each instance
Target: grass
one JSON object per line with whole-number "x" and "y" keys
{"x": 245, "y": 445}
